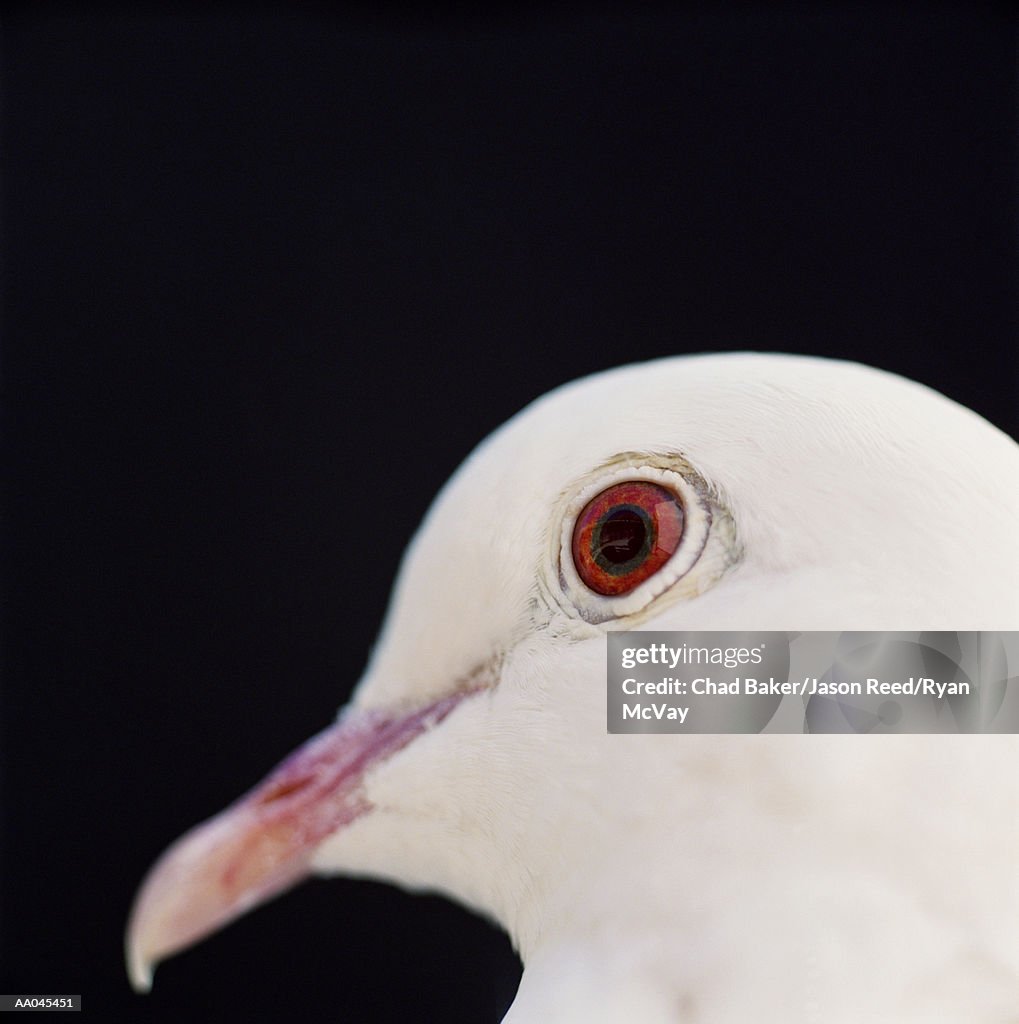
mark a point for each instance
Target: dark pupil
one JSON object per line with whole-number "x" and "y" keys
{"x": 621, "y": 540}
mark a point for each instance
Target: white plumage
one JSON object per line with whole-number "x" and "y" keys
{"x": 709, "y": 879}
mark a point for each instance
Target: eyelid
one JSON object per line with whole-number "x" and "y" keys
{"x": 584, "y": 603}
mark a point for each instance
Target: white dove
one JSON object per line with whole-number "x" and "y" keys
{"x": 668, "y": 879}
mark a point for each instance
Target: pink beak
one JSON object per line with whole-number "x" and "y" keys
{"x": 262, "y": 845}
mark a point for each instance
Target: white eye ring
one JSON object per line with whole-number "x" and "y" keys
{"x": 701, "y": 510}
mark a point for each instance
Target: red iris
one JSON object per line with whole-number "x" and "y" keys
{"x": 626, "y": 534}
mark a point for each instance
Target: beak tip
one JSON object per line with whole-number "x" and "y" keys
{"x": 139, "y": 968}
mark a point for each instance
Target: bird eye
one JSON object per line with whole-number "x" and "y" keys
{"x": 645, "y": 528}
{"x": 626, "y": 534}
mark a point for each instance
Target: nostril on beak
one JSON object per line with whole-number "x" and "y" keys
{"x": 283, "y": 789}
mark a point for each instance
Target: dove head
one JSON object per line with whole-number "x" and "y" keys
{"x": 739, "y": 491}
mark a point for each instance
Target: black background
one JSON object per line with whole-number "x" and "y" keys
{"x": 271, "y": 275}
